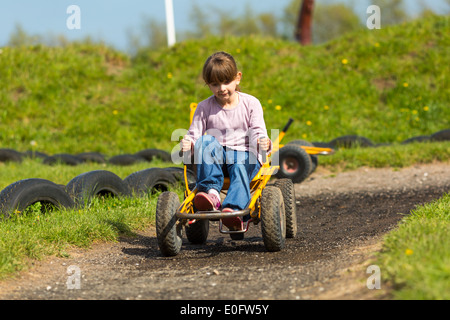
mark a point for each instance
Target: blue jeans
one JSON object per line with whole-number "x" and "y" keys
{"x": 214, "y": 162}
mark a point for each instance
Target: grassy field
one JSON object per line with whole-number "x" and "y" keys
{"x": 415, "y": 258}
{"x": 387, "y": 85}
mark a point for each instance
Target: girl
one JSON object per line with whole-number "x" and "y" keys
{"x": 234, "y": 125}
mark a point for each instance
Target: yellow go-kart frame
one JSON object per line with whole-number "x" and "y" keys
{"x": 171, "y": 216}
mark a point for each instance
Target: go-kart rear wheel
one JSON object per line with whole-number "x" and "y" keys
{"x": 273, "y": 221}
{"x": 287, "y": 190}
{"x": 169, "y": 236}
{"x": 197, "y": 232}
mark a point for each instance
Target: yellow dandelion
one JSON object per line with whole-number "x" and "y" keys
{"x": 169, "y": 75}
{"x": 414, "y": 112}
{"x": 344, "y": 61}
{"x": 115, "y": 112}
{"x": 304, "y": 136}
{"x": 377, "y": 44}
{"x": 238, "y": 50}
{"x": 308, "y": 123}
{"x": 278, "y": 108}
{"x": 426, "y": 108}
{"x": 326, "y": 107}
{"x": 405, "y": 84}
{"x": 269, "y": 101}
{"x": 409, "y": 252}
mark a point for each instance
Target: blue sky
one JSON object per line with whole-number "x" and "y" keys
{"x": 109, "y": 20}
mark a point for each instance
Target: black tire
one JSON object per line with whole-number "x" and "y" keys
{"x": 294, "y": 162}
{"x": 197, "y": 232}
{"x": 10, "y": 155}
{"x": 91, "y": 157}
{"x": 178, "y": 173}
{"x": 125, "y": 159}
{"x": 273, "y": 220}
{"x": 288, "y": 191}
{"x": 32, "y": 154}
{"x": 351, "y": 141}
{"x": 62, "y": 158}
{"x": 149, "y": 181}
{"x": 21, "y": 194}
{"x": 169, "y": 236}
{"x": 237, "y": 236}
{"x": 319, "y": 144}
{"x": 417, "y": 139}
{"x": 443, "y": 135}
{"x": 96, "y": 183}
{"x": 314, "y": 158}
{"x": 152, "y": 154}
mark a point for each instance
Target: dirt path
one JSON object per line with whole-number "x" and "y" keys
{"x": 342, "y": 218}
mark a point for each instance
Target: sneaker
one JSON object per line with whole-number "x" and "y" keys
{"x": 206, "y": 202}
{"x": 232, "y": 223}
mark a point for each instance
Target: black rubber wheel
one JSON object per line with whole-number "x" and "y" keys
{"x": 273, "y": 220}
{"x": 152, "y": 154}
{"x": 91, "y": 157}
{"x": 169, "y": 236}
{"x": 96, "y": 183}
{"x": 197, "y": 232}
{"x": 288, "y": 191}
{"x": 21, "y": 194}
{"x": 149, "y": 181}
{"x": 32, "y": 154}
{"x": 314, "y": 158}
{"x": 443, "y": 135}
{"x": 178, "y": 173}
{"x": 294, "y": 162}
{"x": 10, "y": 155}
{"x": 351, "y": 141}
{"x": 125, "y": 159}
{"x": 237, "y": 236}
{"x": 417, "y": 139}
{"x": 62, "y": 158}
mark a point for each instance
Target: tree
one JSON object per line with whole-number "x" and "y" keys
{"x": 303, "y": 31}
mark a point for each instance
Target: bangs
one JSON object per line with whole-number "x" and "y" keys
{"x": 219, "y": 70}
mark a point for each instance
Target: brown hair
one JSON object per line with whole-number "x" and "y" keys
{"x": 220, "y": 68}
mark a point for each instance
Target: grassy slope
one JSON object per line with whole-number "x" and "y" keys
{"x": 387, "y": 85}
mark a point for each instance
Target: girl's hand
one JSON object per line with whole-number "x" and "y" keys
{"x": 186, "y": 144}
{"x": 264, "y": 144}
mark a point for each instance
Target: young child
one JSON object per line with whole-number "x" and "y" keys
{"x": 235, "y": 134}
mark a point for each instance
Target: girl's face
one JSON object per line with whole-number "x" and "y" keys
{"x": 225, "y": 92}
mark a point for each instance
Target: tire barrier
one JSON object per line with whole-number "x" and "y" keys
{"x": 79, "y": 192}
{"x": 21, "y": 194}
{"x": 148, "y": 155}
{"x": 295, "y": 164}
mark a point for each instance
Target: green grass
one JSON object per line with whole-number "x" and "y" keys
{"x": 84, "y": 97}
{"x": 35, "y": 234}
{"x": 415, "y": 258}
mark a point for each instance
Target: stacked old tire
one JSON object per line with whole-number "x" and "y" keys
{"x": 80, "y": 191}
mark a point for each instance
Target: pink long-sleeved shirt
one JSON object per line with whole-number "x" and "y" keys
{"x": 237, "y": 128}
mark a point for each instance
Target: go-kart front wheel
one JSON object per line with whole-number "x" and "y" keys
{"x": 273, "y": 220}
{"x": 169, "y": 236}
